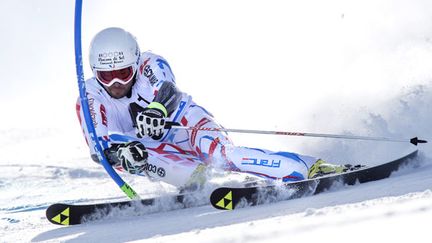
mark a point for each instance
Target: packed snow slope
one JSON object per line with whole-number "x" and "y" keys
{"x": 343, "y": 67}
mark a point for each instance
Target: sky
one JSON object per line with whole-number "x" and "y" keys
{"x": 271, "y": 65}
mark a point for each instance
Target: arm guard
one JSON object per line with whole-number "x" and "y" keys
{"x": 169, "y": 96}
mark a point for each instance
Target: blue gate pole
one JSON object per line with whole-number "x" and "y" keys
{"x": 94, "y": 141}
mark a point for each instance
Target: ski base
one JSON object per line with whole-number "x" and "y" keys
{"x": 228, "y": 198}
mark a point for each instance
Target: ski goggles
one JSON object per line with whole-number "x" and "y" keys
{"x": 122, "y": 76}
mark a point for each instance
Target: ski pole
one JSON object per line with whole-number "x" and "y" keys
{"x": 128, "y": 190}
{"x": 414, "y": 140}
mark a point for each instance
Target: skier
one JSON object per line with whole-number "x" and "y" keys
{"x": 131, "y": 98}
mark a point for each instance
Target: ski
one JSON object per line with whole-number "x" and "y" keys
{"x": 228, "y": 198}
{"x": 71, "y": 214}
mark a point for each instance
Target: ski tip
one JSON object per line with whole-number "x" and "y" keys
{"x": 58, "y": 214}
{"x": 416, "y": 141}
{"x": 221, "y": 198}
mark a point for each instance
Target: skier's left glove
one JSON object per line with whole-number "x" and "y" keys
{"x": 132, "y": 157}
{"x": 151, "y": 121}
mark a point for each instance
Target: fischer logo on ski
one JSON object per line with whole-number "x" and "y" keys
{"x": 226, "y": 202}
{"x": 62, "y": 218}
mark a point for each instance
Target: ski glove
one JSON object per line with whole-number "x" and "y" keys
{"x": 132, "y": 157}
{"x": 151, "y": 121}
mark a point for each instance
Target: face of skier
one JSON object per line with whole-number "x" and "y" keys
{"x": 118, "y": 90}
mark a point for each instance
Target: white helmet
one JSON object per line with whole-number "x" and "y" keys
{"x": 113, "y": 49}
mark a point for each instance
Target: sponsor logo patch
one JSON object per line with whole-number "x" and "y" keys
{"x": 92, "y": 111}
{"x": 103, "y": 114}
{"x": 154, "y": 169}
{"x": 148, "y": 72}
{"x": 111, "y": 58}
{"x": 274, "y": 163}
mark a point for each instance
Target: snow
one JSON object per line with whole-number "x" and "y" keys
{"x": 343, "y": 67}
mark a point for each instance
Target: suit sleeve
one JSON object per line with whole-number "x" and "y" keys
{"x": 99, "y": 117}
{"x": 163, "y": 81}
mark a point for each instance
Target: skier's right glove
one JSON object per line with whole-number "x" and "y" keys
{"x": 132, "y": 157}
{"x": 151, "y": 121}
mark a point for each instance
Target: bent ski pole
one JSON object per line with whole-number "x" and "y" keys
{"x": 414, "y": 140}
{"x": 128, "y": 190}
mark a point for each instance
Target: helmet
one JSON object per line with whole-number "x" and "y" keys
{"x": 114, "y": 56}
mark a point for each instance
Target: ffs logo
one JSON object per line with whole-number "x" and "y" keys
{"x": 261, "y": 162}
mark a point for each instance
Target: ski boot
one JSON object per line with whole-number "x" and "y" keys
{"x": 322, "y": 168}
{"x": 196, "y": 181}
